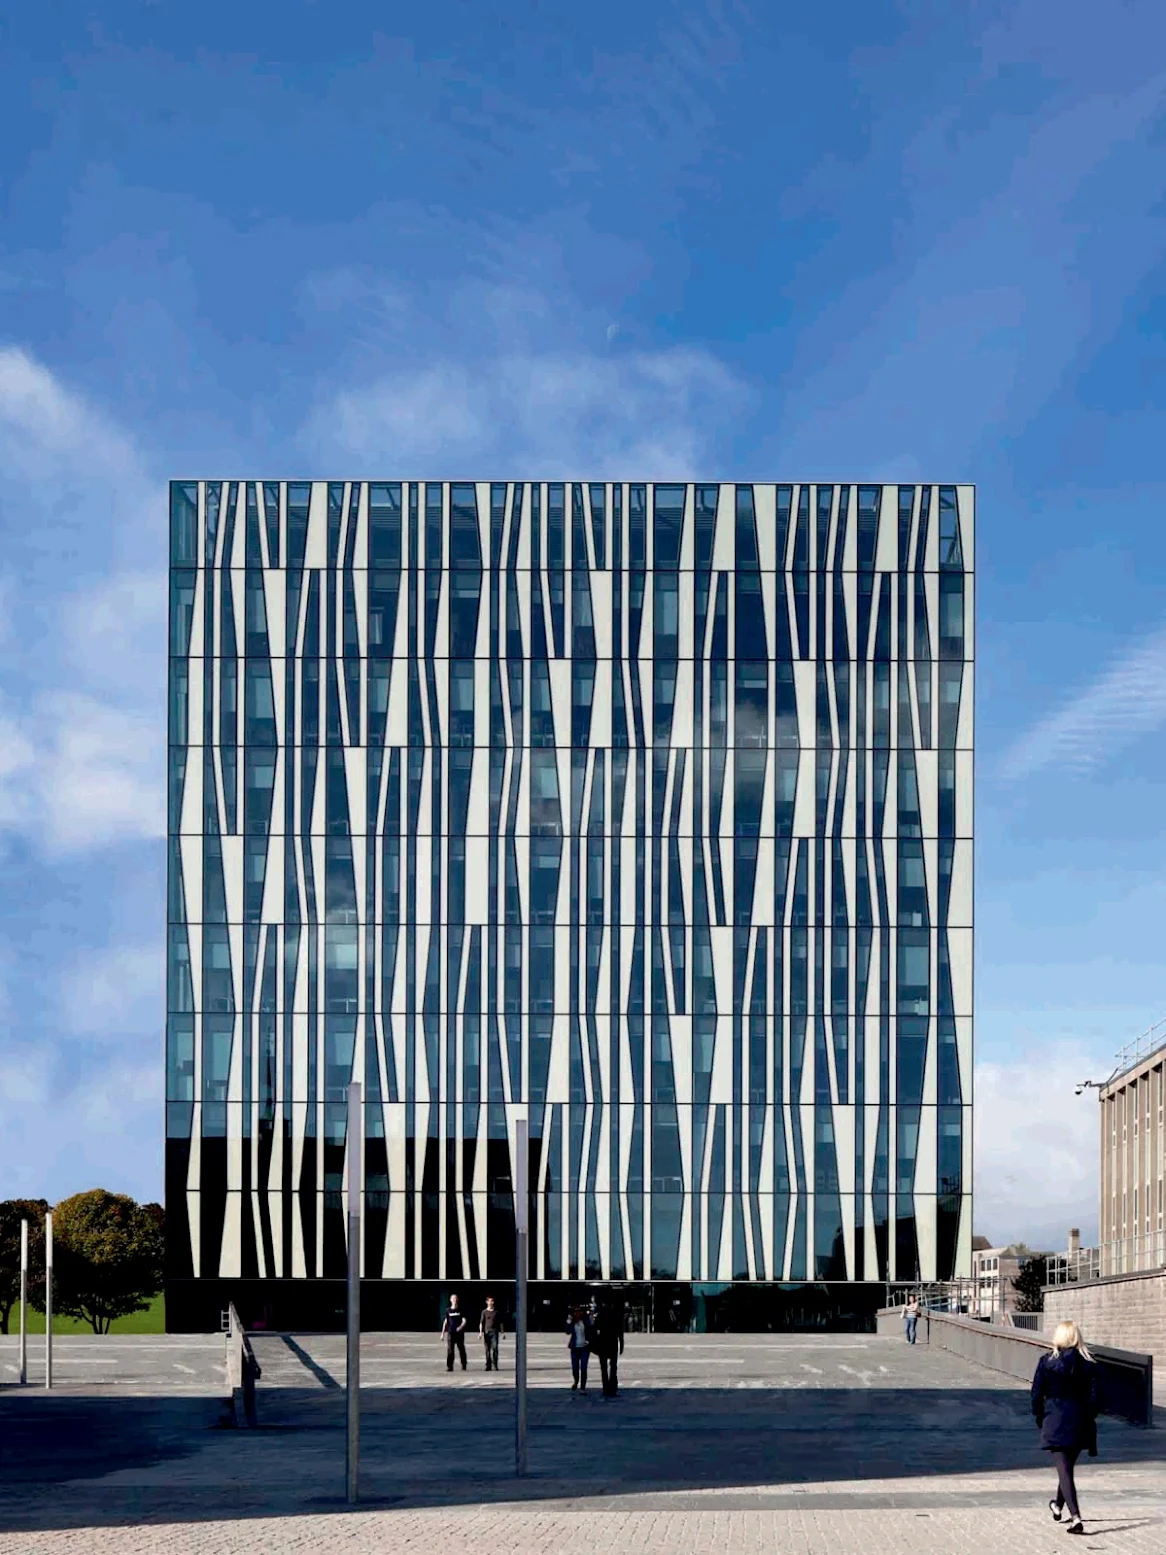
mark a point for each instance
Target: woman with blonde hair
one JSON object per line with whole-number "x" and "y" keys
{"x": 1064, "y": 1401}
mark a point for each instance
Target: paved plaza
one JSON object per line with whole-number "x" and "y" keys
{"x": 828, "y": 1443}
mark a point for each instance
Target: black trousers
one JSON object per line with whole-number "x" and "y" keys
{"x": 491, "y": 1343}
{"x": 609, "y": 1374}
{"x": 455, "y": 1342}
{"x": 1064, "y": 1463}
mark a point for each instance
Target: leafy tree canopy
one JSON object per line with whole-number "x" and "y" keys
{"x": 108, "y": 1256}
{"x": 12, "y": 1212}
{"x": 1027, "y": 1284}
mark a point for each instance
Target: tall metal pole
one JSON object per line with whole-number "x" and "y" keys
{"x": 49, "y": 1299}
{"x": 521, "y": 1151}
{"x": 23, "y": 1301}
{"x": 352, "y": 1381}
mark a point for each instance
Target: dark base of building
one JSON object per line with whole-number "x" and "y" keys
{"x": 318, "y": 1306}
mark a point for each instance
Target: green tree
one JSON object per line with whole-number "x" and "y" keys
{"x": 1033, "y": 1275}
{"x": 12, "y": 1212}
{"x": 108, "y": 1256}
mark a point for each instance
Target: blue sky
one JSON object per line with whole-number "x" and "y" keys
{"x": 902, "y": 240}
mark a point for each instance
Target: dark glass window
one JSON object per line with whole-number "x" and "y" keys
{"x": 913, "y": 911}
{"x": 669, "y": 526}
{"x": 182, "y": 585}
{"x": 465, "y": 548}
{"x": 706, "y": 518}
{"x": 750, "y": 617}
{"x": 914, "y": 961}
{"x": 951, "y": 615}
{"x": 751, "y": 725}
{"x": 950, "y": 549}
{"x": 183, "y": 523}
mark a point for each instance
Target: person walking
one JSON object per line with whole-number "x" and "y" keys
{"x": 608, "y": 1345}
{"x": 453, "y": 1331}
{"x": 490, "y": 1328}
{"x": 580, "y": 1338}
{"x": 911, "y": 1319}
{"x": 1064, "y": 1402}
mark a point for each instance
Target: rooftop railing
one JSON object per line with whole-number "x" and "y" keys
{"x": 1136, "y": 1052}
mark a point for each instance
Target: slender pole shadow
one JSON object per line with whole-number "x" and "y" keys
{"x": 324, "y": 1378}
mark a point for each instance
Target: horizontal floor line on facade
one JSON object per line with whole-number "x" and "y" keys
{"x": 336, "y": 655}
{"x": 604, "y": 1013}
{"x": 563, "y": 924}
{"x": 586, "y": 834}
{"x": 443, "y": 565}
{"x": 765, "y": 1203}
{"x": 688, "y": 748}
{"x": 622, "y": 1108}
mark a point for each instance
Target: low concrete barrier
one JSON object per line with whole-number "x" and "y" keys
{"x": 242, "y": 1372}
{"x": 1126, "y": 1377}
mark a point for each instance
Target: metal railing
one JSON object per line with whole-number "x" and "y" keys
{"x": 1027, "y": 1322}
{"x": 1142, "y": 1253}
{"x": 1135, "y": 1052}
{"x": 983, "y": 1298}
{"x": 932, "y": 1296}
{"x": 1069, "y": 1268}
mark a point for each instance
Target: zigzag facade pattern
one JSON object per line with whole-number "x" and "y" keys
{"x": 649, "y": 806}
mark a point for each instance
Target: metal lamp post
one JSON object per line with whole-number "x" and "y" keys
{"x": 49, "y": 1299}
{"x": 521, "y": 1130}
{"x": 23, "y": 1301}
{"x": 352, "y": 1377}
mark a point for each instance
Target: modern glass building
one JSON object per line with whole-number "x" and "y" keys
{"x": 646, "y": 806}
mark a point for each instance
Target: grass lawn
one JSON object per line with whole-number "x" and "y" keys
{"x": 151, "y": 1321}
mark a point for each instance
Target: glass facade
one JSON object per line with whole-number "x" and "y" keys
{"x": 649, "y": 806}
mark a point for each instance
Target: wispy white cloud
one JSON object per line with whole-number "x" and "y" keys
{"x": 99, "y": 774}
{"x": 81, "y": 741}
{"x": 17, "y": 758}
{"x": 501, "y": 376}
{"x": 544, "y": 413}
{"x": 77, "y": 478}
{"x": 106, "y": 994}
{"x": 39, "y": 418}
{"x": 1127, "y": 700}
{"x": 1036, "y": 1145}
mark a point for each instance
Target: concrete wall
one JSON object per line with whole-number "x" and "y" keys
{"x": 1127, "y": 1311}
{"x": 1000, "y": 1349}
{"x": 1126, "y": 1381}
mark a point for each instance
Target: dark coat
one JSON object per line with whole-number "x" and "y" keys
{"x": 608, "y": 1339}
{"x": 1064, "y": 1401}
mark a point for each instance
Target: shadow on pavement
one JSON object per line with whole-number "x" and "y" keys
{"x": 50, "y": 1439}
{"x": 452, "y": 1445}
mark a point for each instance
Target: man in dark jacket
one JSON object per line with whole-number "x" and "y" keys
{"x": 453, "y": 1331}
{"x": 490, "y": 1328}
{"x": 608, "y": 1345}
{"x": 1064, "y": 1402}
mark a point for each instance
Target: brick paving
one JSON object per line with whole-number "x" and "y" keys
{"x": 830, "y": 1444}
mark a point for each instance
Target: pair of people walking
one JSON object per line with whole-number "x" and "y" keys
{"x": 599, "y": 1332}
{"x": 453, "y": 1331}
{"x": 1065, "y": 1403}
